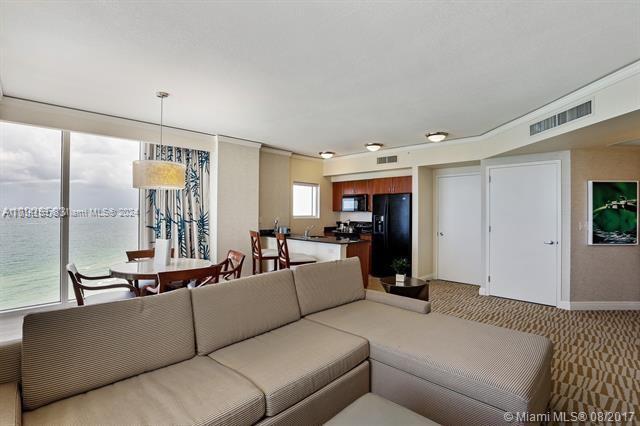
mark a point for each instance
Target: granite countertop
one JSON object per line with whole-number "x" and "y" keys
{"x": 320, "y": 239}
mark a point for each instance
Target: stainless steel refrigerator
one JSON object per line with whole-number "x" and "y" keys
{"x": 391, "y": 236}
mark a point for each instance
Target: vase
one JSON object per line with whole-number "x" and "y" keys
{"x": 400, "y": 278}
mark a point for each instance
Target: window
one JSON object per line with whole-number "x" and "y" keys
{"x": 44, "y": 226}
{"x": 30, "y": 159}
{"x": 105, "y": 223}
{"x": 306, "y": 200}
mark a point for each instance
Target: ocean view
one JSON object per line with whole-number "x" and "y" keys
{"x": 30, "y": 254}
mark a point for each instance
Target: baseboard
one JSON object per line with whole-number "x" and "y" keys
{"x": 482, "y": 291}
{"x": 427, "y": 277}
{"x": 604, "y": 306}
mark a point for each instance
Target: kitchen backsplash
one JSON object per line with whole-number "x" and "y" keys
{"x": 356, "y": 216}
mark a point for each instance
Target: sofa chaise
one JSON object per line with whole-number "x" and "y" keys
{"x": 288, "y": 347}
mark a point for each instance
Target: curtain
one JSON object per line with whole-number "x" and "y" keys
{"x": 180, "y": 215}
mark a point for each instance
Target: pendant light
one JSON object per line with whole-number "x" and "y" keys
{"x": 158, "y": 174}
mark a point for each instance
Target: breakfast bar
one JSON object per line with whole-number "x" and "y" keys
{"x": 326, "y": 248}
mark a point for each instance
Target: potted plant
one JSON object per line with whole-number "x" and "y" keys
{"x": 400, "y": 265}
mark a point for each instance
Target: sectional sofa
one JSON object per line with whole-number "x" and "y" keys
{"x": 288, "y": 347}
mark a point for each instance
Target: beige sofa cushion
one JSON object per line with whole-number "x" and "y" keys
{"x": 325, "y": 285}
{"x": 10, "y": 407}
{"x": 373, "y": 410}
{"x": 10, "y": 353}
{"x": 292, "y": 362}
{"x": 507, "y": 369}
{"x": 196, "y": 392}
{"x": 235, "y": 310}
{"x": 74, "y": 350}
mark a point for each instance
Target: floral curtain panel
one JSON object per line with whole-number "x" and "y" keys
{"x": 180, "y": 215}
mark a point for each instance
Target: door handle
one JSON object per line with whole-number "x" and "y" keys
{"x": 441, "y": 234}
{"x": 550, "y": 243}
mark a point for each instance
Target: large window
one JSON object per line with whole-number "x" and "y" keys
{"x": 65, "y": 197}
{"x": 30, "y": 160}
{"x": 306, "y": 200}
{"x": 104, "y": 205}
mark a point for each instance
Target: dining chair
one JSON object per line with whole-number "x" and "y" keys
{"x": 258, "y": 254}
{"x": 190, "y": 278}
{"x": 232, "y": 265}
{"x": 285, "y": 259}
{"x": 133, "y": 255}
{"x": 136, "y": 255}
{"x": 79, "y": 288}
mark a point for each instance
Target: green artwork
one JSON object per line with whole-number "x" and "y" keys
{"x": 613, "y": 209}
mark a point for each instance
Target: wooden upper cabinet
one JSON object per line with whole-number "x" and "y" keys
{"x": 401, "y": 184}
{"x": 360, "y": 187}
{"x": 337, "y": 196}
{"x": 381, "y": 186}
{"x": 348, "y": 188}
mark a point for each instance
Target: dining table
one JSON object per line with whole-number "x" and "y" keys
{"x": 147, "y": 269}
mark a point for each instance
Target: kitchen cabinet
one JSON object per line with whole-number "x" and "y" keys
{"x": 390, "y": 185}
{"x": 348, "y": 188}
{"x": 400, "y": 184}
{"x": 360, "y": 187}
{"x": 381, "y": 186}
{"x": 337, "y": 196}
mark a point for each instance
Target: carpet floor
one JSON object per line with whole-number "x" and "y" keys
{"x": 596, "y": 358}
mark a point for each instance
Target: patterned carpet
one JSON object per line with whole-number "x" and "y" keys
{"x": 596, "y": 360}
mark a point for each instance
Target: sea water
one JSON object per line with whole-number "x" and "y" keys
{"x": 30, "y": 254}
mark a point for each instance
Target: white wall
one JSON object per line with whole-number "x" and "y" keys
{"x": 275, "y": 194}
{"x": 234, "y": 197}
{"x": 422, "y": 222}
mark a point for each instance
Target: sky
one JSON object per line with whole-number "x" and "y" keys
{"x": 30, "y": 163}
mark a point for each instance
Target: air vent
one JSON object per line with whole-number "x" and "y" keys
{"x": 389, "y": 159}
{"x": 560, "y": 118}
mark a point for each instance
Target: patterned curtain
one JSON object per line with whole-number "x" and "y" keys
{"x": 180, "y": 215}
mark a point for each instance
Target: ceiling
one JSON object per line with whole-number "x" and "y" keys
{"x": 311, "y": 76}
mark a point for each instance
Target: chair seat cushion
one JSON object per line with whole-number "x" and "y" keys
{"x": 507, "y": 369}
{"x": 292, "y": 362}
{"x": 269, "y": 253}
{"x": 301, "y": 257}
{"x": 109, "y": 296}
{"x": 197, "y": 391}
{"x": 373, "y": 410}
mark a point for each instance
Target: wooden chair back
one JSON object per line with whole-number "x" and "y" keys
{"x": 284, "y": 261}
{"x": 143, "y": 254}
{"x": 199, "y": 277}
{"x": 232, "y": 265}
{"x": 79, "y": 288}
{"x": 256, "y": 246}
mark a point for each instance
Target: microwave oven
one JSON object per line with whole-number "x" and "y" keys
{"x": 354, "y": 203}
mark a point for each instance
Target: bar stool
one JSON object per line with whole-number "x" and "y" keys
{"x": 285, "y": 260}
{"x": 258, "y": 254}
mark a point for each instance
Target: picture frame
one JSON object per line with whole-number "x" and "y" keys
{"x": 613, "y": 212}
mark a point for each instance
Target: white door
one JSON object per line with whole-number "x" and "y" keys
{"x": 459, "y": 229}
{"x": 524, "y": 231}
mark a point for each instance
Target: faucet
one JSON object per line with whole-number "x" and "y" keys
{"x": 306, "y": 231}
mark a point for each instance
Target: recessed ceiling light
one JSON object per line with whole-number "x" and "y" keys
{"x": 373, "y": 146}
{"x": 437, "y": 136}
{"x": 327, "y": 154}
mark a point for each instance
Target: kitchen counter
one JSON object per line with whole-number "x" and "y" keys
{"x": 326, "y": 240}
{"x": 325, "y": 249}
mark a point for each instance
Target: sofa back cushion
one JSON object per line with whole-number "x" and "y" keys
{"x": 325, "y": 285}
{"x": 236, "y": 310}
{"x": 74, "y": 350}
